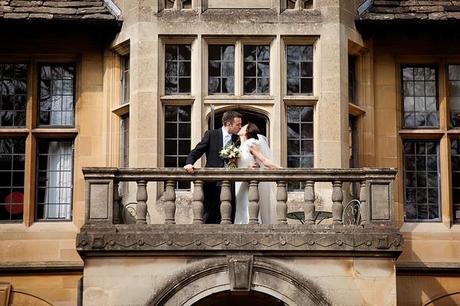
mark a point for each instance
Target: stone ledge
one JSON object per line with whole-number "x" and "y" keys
{"x": 316, "y": 240}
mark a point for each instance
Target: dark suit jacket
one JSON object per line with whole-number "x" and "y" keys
{"x": 210, "y": 144}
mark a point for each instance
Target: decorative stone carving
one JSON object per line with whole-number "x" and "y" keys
{"x": 240, "y": 272}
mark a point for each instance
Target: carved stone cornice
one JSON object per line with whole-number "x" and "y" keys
{"x": 210, "y": 240}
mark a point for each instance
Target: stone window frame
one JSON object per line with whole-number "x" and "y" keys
{"x": 444, "y": 134}
{"x": 300, "y": 41}
{"x": 239, "y": 43}
{"x": 120, "y": 103}
{"x": 32, "y": 132}
{"x": 180, "y": 40}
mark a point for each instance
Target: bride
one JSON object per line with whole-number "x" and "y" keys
{"x": 254, "y": 151}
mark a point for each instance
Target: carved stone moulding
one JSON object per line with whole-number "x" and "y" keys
{"x": 211, "y": 239}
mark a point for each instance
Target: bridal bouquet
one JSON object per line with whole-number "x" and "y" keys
{"x": 230, "y": 154}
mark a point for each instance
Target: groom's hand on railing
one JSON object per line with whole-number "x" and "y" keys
{"x": 189, "y": 168}
{"x": 255, "y": 165}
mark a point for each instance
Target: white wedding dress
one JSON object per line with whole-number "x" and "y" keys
{"x": 267, "y": 210}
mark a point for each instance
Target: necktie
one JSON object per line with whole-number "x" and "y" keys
{"x": 227, "y": 140}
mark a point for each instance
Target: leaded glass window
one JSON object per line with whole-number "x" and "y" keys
{"x": 256, "y": 69}
{"x": 352, "y": 86}
{"x": 13, "y": 91}
{"x": 12, "y": 161}
{"x": 300, "y": 139}
{"x": 178, "y": 69}
{"x": 177, "y": 138}
{"x": 57, "y": 94}
{"x": 54, "y": 180}
{"x": 221, "y": 69}
{"x": 454, "y": 95}
{"x": 456, "y": 178}
{"x": 124, "y": 141}
{"x": 125, "y": 79}
{"x": 421, "y": 181}
{"x": 420, "y": 97}
{"x": 299, "y": 70}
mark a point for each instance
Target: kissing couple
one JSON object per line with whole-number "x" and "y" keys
{"x": 254, "y": 154}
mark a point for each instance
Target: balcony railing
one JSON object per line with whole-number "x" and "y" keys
{"x": 371, "y": 231}
{"x": 373, "y": 206}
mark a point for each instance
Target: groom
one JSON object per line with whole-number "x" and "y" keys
{"x": 212, "y": 142}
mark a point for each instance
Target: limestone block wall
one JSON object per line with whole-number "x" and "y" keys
{"x": 333, "y": 280}
{"x": 429, "y": 246}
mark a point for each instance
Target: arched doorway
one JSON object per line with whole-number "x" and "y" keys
{"x": 248, "y": 116}
{"x": 229, "y": 298}
{"x": 209, "y": 282}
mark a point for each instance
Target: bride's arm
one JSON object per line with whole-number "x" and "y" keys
{"x": 258, "y": 155}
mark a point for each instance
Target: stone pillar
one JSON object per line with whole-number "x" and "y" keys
{"x": 141, "y": 198}
{"x": 225, "y": 205}
{"x": 197, "y": 204}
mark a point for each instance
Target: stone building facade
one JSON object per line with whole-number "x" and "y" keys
{"x": 129, "y": 87}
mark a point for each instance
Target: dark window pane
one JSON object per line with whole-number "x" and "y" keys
{"x": 13, "y": 89}
{"x": 300, "y": 70}
{"x": 177, "y": 69}
{"x": 12, "y": 160}
{"x": 177, "y": 137}
{"x": 300, "y": 139}
{"x": 256, "y": 69}
{"x": 214, "y": 69}
{"x": 455, "y": 151}
{"x": 57, "y": 94}
{"x": 249, "y": 85}
{"x": 419, "y": 95}
{"x": 421, "y": 180}
{"x": 306, "y": 86}
{"x": 55, "y": 171}
{"x": 454, "y": 95}
{"x": 184, "y": 85}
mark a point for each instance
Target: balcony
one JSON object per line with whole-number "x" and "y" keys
{"x": 342, "y": 256}
{"x": 357, "y": 227}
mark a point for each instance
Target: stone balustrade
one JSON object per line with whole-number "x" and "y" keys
{"x": 375, "y": 194}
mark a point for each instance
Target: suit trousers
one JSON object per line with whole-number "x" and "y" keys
{"x": 211, "y": 202}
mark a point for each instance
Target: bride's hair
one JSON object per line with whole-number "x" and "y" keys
{"x": 252, "y": 131}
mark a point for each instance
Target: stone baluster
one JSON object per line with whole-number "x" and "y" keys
{"x": 170, "y": 202}
{"x": 116, "y": 203}
{"x": 253, "y": 202}
{"x": 225, "y": 203}
{"x": 337, "y": 199}
{"x": 197, "y": 204}
{"x": 363, "y": 209}
{"x": 281, "y": 206}
{"x": 141, "y": 198}
{"x": 309, "y": 197}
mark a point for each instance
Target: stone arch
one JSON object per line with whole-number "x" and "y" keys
{"x": 255, "y": 114}
{"x": 452, "y": 298}
{"x": 259, "y": 109}
{"x": 19, "y": 297}
{"x": 211, "y": 276}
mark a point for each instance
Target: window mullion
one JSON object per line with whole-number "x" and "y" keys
{"x": 29, "y": 181}
{"x": 445, "y": 181}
